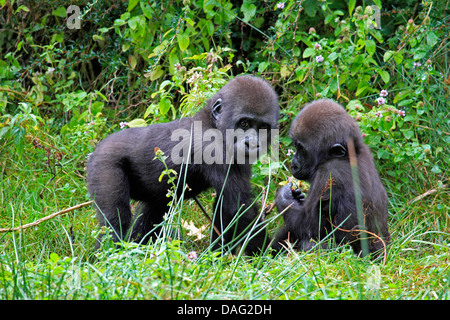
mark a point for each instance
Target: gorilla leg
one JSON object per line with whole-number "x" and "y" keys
{"x": 233, "y": 232}
{"x": 113, "y": 208}
{"x": 282, "y": 234}
{"x": 145, "y": 225}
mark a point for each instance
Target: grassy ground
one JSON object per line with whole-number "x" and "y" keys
{"x": 56, "y": 259}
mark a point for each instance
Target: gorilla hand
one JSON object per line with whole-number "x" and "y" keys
{"x": 287, "y": 196}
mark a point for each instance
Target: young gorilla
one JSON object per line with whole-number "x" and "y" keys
{"x": 320, "y": 133}
{"x": 123, "y": 167}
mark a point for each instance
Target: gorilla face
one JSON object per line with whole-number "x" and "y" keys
{"x": 319, "y": 134}
{"x": 306, "y": 158}
{"x": 302, "y": 165}
{"x": 251, "y": 139}
{"x": 247, "y": 133}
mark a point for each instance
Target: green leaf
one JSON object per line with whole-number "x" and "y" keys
{"x": 22, "y": 7}
{"x": 420, "y": 55}
{"x": 378, "y": 3}
{"x": 164, "y": 105}
{"x": 329, "y": 18}
{"x": 401, "y": 95}
{"x": 370, "y": 47}
{"x": 164, "y": 84}
{"x": 362, "y": 86}
{"x": 409, "y": 134}
{"x": 432, "y": 38}
{"x": 132, "y": 4}
{"x": 101, "y": 95}
{"x": 333, "y": 56}
{"x": 357, "y": 63}
{"x": 59, "y": 12}
{"x": 284, "y": 72}
{"x": 385, "y": 76}
{"x": 398, "y": 57}
{"x": 54, "y": 257}
{"x": 262, "y": 66}
{"x": 156, "y": 74}
{"x": 308, "y": 52}
{"x": 147, "y": 10}
{"x": 351, "y": 6}
{"x": 119, "y": 22}
{"x": 183, "y": 41}
{"x": 249, "y": 10}
{"x": 133, "y": 62}
{"x": 133, "y": 23}
{"x": 387, "y": 55}
{"x": 210, "y": 27}
{"x": 137, "y": 123}
{"x": 436, "y": 169}
{"x": 409, "y": 118}
{"x": 376, "y": 34}
{"x": 96, "y": 107}
{"x": 383, "y": 154}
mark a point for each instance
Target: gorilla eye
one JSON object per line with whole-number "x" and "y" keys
{"x": 338, "y": 151}
{"x": 300, "y": 148}
{"x": 244, "y": 124}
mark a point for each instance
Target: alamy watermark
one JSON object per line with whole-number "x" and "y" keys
{"x": 376, "y": 17}
{"x": 210, "y": 146}
{"x": 73, "y": 15}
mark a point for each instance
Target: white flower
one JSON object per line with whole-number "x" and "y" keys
{"x": 381, "y": 101}
{"x": 192, "y": 255}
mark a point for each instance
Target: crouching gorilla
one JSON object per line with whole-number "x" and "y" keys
{"x": 320, "y": 134}
{"x": 123, "y": 167}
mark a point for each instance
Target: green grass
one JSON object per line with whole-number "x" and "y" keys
{"x": 56, "y": 259}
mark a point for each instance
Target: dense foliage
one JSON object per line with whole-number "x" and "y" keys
{"x": 69, "y": 76}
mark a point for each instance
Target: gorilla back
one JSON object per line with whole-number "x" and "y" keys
{"x": 198, "y": 148}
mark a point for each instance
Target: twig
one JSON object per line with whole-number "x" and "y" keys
{"x": 35, "y": 223}
{"x": 371, "y": 233}
{"x": 207, "y": 216}
{"x": 425, "y": 127}
{"x": 445, "y": 186}
{"x": 269, "y": 208}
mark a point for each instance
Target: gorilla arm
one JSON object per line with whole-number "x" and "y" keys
{"x": 237, "y": 203}
{"x": 290, "y": 203}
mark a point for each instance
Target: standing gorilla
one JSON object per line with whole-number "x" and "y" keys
{"x": 320, "y": 133}
{"x": 123, "y": 167}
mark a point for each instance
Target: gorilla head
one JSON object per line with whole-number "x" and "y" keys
{"x": 320, "y": 133}
{"x": 244, "y": 109}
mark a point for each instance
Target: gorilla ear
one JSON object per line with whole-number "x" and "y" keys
{"x": 216, "y": 109}
{"x": 338, "y": 151}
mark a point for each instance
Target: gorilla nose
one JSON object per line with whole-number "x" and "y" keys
{"x": 251, "y": 144}
{"x": 294, "y": 167}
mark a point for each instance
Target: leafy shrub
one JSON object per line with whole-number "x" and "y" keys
{"x": 140, "y": 62}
